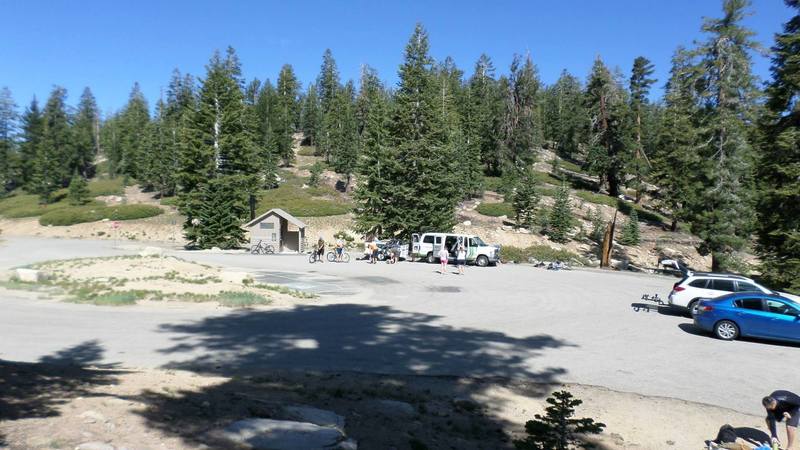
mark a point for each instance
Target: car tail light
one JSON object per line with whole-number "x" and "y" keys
{"x": 677, "y": 288}
{"x": 705, "y": 308}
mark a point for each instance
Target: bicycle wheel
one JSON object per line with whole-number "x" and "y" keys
{"x": 269, "y": 249}
{"x": 254, "y": 250}
{"x": 346, "y": 257}
{"x": 331, "y": 256}
{"x": 312, "y": 258}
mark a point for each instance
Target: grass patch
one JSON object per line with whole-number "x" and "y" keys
{"x": 495, "y": 209}
{"x": 546, "y": 178}
{"x": 106, "y": 186}
{"x": 82, "y": 214}
{"x": 18, "y": 285}
{"x": 169, "y": 201}
{"x": 309, "y": 202}
{"x": 285, "y": 290}
{"x": 120, "y": 298}
{"x": 539, "y": 252}
{"x": 307, "y": 150}
{"x": 241, "y": 299}
{"x": 569, "y": 165}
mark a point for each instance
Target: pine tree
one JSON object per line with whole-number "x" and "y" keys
{"x": 78, "y": 192}
{"x": 484, "y": 110}
{"x": 310, "y": 122}
{"x": 283, "y": 119}
{"x": 327, "y": 87}
{"x": 677, "y": 155}
{"x": 378, "y": 164}
{"x": 557, "y": 429}
{"x": 565, "y": 119}
{"x": 342, "y": 129}
{"x": 218, "y": 148}
{"x": 778, "y": 167}
{"x": 85, "y": 135}
{"x": 8, "y": 127}
{"x": 521, "y": 130}
{"x": 132, "y": 123}
{"x": 265, "y": 136}
{"x": 221, "y": 207}
{"x": 609, "y": 140}
{"x": 631, "y": 235}
{"x": 32, "y": 126}
{"x": 723, "y": 215}
{"x": 640, "y": 84}
{"x": 54, "y": 152}
{"x": 561, "y": 220}
{"x": 526, "y": 200}
{"x": 598, "y": 225}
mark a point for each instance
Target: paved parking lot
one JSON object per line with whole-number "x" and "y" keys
{"x": 518, "y": 321}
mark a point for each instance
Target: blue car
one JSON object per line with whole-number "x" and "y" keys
{"x": 751, "y": 314}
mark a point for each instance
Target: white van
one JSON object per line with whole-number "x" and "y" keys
{"x": 427, "y": 246}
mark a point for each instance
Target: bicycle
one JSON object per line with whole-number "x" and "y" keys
{"x": 314, "y": 257}
{"x": 262, "y": 249}
{"x": 333, "y": 257}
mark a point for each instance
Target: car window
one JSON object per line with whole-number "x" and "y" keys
{"x": 721, "y": 285}
{"x": 742, "y": 286}
{"x": 777, "y": 307}
{"x": 749, "y": 303}
{"x": 701, "y": 283}
{"x": 428, "y": 240}
{"x": 472, "y": 242}
{"x": 438, "y": 239}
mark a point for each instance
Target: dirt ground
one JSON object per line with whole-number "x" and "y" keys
{"x": 161, "y": 278}
{"x": 45, "y": 406}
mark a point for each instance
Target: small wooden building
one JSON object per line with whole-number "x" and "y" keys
{"x": 278, "y": 228}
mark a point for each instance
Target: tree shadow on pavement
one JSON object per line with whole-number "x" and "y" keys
{"x": 313, "y": 354}
{"x": 37, "y": 390}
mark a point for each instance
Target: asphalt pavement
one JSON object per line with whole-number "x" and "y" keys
{"x": 510, "y": 321}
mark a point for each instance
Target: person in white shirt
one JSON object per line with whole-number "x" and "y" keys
{"x": 461, "y": 257}
{"x": 443, "y": 255}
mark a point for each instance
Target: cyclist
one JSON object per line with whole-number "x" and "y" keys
{"x": 321, "y": 249}
{"x": 339, "y": 248}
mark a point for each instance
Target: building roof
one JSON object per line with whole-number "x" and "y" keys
{"x": 294, "y": 220}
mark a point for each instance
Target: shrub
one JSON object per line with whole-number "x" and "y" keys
{"x": 526, "y": 201}
{"x": 316, "y": 172}
{"x": 71, "y": 216}
{"x": 496, "y": 209}
{"x": 241, "y": 299}
{"x": 561, "y": 220}
{"x": 170, "y": 201}
{"x": 557, "y": 429}
{"x": 539, "y": 252}
{"x": 630, "y": 231}
{"x": 78, "y": 191}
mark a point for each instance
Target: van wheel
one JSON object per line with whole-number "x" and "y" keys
{"x": 430, "y": 258}
{"x": 726, "y": 330}
{"x": 482, "y": 261}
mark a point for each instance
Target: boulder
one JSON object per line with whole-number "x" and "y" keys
{"x": 467, "y": 223}
{"x": 30, "y": 275}
{"x": 152, "y": 251}
{"x": 321, "y": 417}
{"x": 281, "y": 435}
{"x": 234, "y": 277}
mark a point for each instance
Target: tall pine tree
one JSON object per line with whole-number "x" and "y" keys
{"x": 723, "y": 213}
{"x": 521, "y": 130}
{"x": 8, "y": 128}
{"x": 55, "y": 151}
{"x": 85, "y": 135}
{"x": 32, "y": 126}
{"x": 778, "y": 168}
{"x": 640, "y": 84}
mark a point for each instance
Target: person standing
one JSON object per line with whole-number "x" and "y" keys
{"x": 373, "y": 252}
{"x": 443, "y": 255}
{"x": 320, "y": 249}
{"x": 461, "y": 257}
{"x": 339, "y": 249}
{"x": 782, "y": 405}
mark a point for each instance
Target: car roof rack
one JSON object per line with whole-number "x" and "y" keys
{"x": 720, "y": 275}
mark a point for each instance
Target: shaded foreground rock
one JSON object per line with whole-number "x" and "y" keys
{"x": 282, "y": 435}
{"x": 316, "y": 416}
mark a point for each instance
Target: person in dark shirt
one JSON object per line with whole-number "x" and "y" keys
{"x": 782, "y": 405}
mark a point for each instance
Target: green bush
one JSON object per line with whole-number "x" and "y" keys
{"x": 106, "y": 186}
{"x": 496, "y": 209}
{"x": 241, "y": 299}
{"x": 540, "y": 252}
{"x": 170, "y": 201}
{"x": 83, "y": 214}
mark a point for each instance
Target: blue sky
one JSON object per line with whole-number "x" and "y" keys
{"x": 108, "y": 45}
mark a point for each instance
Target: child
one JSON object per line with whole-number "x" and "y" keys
{"x": 443, "y": 259}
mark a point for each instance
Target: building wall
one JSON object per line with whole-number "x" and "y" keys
{"x": 262, "y": 231}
